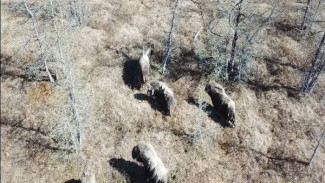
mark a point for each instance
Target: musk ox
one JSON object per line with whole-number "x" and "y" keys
{"x": 155, "y": 170}
{"x": 221, "y": 102}
{"x": 163, "y": 94}
{"x": 145, "y": 63}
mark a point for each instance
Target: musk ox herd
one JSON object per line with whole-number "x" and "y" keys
{"x": 164, "y": 95}
{"x": 155, "y": 170}
{"x": 144, "y": 153}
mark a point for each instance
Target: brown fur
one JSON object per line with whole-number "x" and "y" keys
{"x": 221, "y": 102}
{"x": 155, "y": 170}
{"x": 145, "y": 63}
{"x": 163, "y": 94}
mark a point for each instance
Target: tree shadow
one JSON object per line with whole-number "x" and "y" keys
{"x": 275, "y": 158}
{"x": 276, "y": 61}
{"x": 133, "y": 172}
{"x": 188, "y": 64}
{"x": 132, "y": 73}
{"x": 37, "y": 142}
{"x": 210, "y": 111}
{"x": 156, "y": 105}
{"x": 291, "y": 30}
{"x": 291, "y": 90}
{"x": 73, "y": 181}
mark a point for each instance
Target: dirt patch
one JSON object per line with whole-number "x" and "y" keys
{"x": 40, "y": 92}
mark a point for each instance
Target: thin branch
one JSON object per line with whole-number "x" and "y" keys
{"x": 320, "y": 140}
{"x": 305, "y": 15}
{"x": 197, "y": 33}
{"x": 210, "y": 29}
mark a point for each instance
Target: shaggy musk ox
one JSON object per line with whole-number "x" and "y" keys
{"x": 145, "y": 63}
{"x": 155, "y": 170}
{"x": 221, "y": 102}
{"x": 163, "y": 94}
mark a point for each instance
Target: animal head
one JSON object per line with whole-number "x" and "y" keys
{"x": 149, "y": 51}
{"x": 136, "y": 154}
{"x": 141, "y": 151}
{"x": 150, "y": 90}
{"x": 152, "y": 86}
{"x": 213, "y": 86}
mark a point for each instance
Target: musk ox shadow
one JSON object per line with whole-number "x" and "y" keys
{"x": 156, "y": 105}
{"x": 132, "y": 73}
{"x": 133, "y": 172}
{"x": 210, "y": 111}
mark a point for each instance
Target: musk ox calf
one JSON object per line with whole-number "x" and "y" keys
{"x": 163, "y": 94}
{"x": 221, "y": 102}
{"x": 145, "y": 63}
{"x": 155, "y": 170}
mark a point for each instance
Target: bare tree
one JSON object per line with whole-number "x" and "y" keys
{"x": 43, "y": 49}
{"x": 231, "y": 52}
{"x": 311, "y": 11}
{"x": 68, "y": 76}
{"x": 311, "y": 76}
{"x": 246, "y": 26}
{"x": 61, "y": 19}
{"x": 170, "y": 38}
{"x": 235, "y": 37}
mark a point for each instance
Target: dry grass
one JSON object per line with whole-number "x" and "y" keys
{"x": 276, "y": 128}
